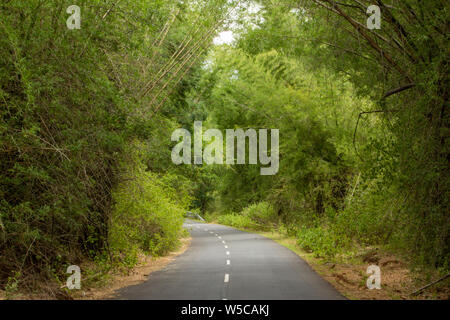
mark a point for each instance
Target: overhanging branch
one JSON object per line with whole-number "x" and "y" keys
{"x": 397, "y": 90}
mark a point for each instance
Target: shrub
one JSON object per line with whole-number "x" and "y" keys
{"x": 237, "y": 221}
{"x": 147, "y": 216}
{"x": 323, "y": 242}
{"x": 261, "y": 213}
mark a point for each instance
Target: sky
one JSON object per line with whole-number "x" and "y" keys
{"x": 227, "y": 36}
{"x": 224, "y": 37}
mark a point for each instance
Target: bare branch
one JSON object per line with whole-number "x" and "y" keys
{"x": 397, "y": 90}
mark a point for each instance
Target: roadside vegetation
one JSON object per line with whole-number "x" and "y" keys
{"x": 363, "y": 129}
{"x": 85, "y": 171}
{"x": 86, "y": 117}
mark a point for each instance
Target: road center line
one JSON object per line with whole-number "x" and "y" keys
{"x": 226, "y": 247}
{"x": 228, "y": 253}
{"x": 227, "y": 277}
{"x": 220, "y": 237}
{"x": 223, "y": 241}
{"x": 228, "y": 262}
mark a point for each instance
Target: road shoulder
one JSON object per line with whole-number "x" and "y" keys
{"x": 137, "y": 275}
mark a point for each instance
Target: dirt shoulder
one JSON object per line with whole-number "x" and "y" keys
{"x": 104, "y": 285}
{"x": 137, "y": 275}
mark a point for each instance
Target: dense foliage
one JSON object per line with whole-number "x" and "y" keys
{"x": 86, "y": 117}
{"x": 362, "y": 117}
{"x": 74, "y": 105}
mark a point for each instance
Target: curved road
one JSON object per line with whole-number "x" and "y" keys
{"x": 225, "y": 263}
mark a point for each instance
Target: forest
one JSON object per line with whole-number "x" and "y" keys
{"x": 87, "y": 113}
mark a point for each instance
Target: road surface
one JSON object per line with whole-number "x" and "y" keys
{"x": 225, "y": 263}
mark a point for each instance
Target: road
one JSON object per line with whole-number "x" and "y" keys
{"x": 223, "y": 263}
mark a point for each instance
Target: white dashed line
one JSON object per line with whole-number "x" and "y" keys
{"x": 216, "y": 234}
{"x": 227, "y": 278}
{"x": 228, "y": 262}
{"x": 228, "y": 253}
{"x": 220, "y": 237}
{"x": 223, "y": 242}
{"x": 210, "y": 232}
{"x": 226, "y": 247}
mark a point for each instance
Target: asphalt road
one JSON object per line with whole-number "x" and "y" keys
{"x": 225, "y": 263}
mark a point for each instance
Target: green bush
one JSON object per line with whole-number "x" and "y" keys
{"x": 370, "y": 216}
{"x": 147, "y": 216}
{"x": 257, "y": 216}
{"x": 323, "y": 242}
{"x": 261, "y": 213}
{"x": 237, "y": 221}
